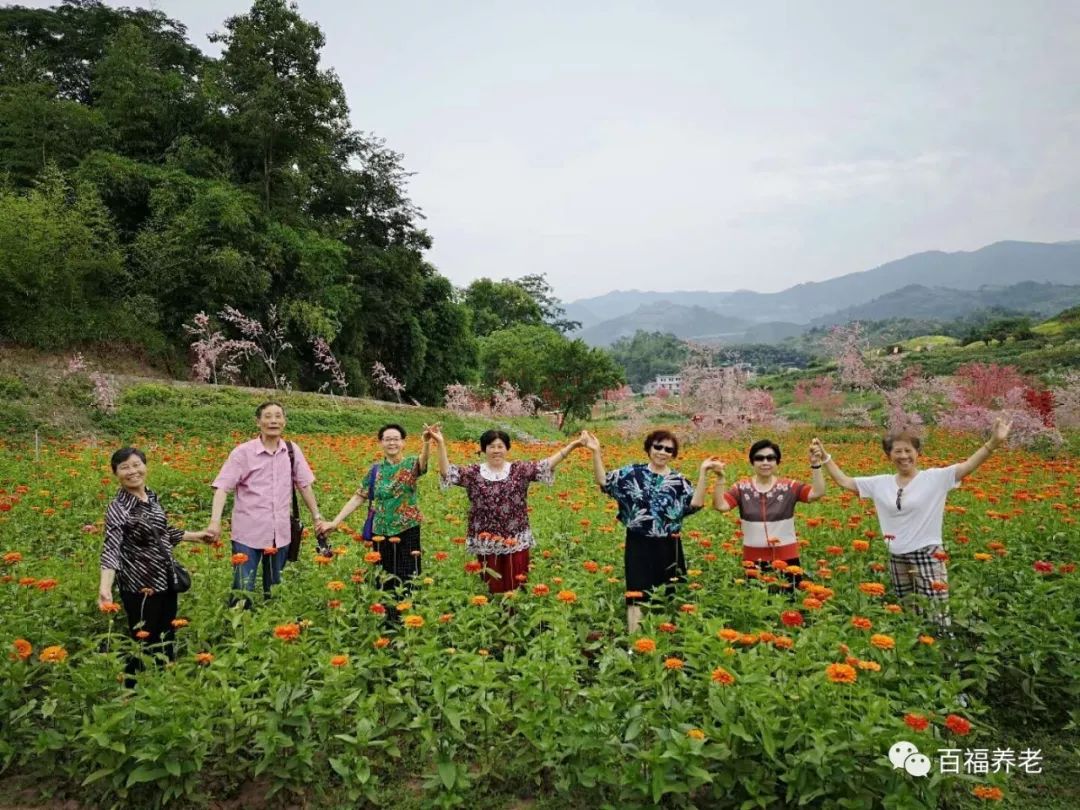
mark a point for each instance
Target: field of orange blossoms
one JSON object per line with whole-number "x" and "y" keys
{"x": 733, "y": 695}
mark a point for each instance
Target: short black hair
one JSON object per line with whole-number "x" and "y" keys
{"x": 659, "y": 436}
{"x": 760, "y": 445}
{"x": 123, "y": 454}
{"x": 909, "y": 435}
{"x": 488, "y": 436}
{"x": 268, "y": 404}
{"x": 391, "y": 426}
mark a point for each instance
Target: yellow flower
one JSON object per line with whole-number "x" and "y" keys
{"x": 413, "y": 620}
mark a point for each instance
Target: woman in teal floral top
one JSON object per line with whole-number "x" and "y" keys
{"x": 396, "y": 515}
{"x": 653, "y": 500}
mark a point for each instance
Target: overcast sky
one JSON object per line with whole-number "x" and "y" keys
{"x": 711, "y": 145}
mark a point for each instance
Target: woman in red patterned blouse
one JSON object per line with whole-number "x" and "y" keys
{"x": 766, "y": 504}
{"x": 499, "y": 533}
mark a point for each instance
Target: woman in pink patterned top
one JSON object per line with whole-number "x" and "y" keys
{"x": 499, "y": 532}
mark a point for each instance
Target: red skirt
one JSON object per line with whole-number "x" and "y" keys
{"x": 507, "y": 571}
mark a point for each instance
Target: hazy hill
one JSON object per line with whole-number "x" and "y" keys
{"x": 973, "y": 280}
{"x": 917, "y": 301}
{"x": 665, "y": 316}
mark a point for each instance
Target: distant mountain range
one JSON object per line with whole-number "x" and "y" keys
{"x": 1023, "y": 276}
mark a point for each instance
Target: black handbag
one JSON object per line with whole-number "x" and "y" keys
{"x": 180, "y": 581}
{"x": 296, "y": 528}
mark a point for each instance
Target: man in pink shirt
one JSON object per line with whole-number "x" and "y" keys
{"x": 262, "y": 475}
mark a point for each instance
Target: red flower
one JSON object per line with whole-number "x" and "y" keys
{"x": 916, "y": 722}
{"x": 791, "y": 618}
{"x": 957, "y": 725}
{"x": 1043, "y": 567}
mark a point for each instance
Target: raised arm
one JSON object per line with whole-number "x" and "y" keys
{"x": 827, "y": 463}
{"x": 817, "y": 474}
{"x": 719, "y": 502}
{"x": 440, "y": 443}
{"x": 708, "y": 464}
{"x": 593, "y": 444}
{"x": 974, "y": 461}
{"x": 425, "y": 451}
{"x": 556, "y": 459}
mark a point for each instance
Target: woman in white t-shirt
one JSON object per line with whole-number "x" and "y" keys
{"x": 910, "y": 505}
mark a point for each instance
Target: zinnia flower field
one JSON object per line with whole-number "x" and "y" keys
{"x": 735, "y": 694}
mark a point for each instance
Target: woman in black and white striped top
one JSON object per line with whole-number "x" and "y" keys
{"x": 137, "y": 556}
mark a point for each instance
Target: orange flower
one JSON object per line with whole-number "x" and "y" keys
{"x": 916, "y": 721}
{"x": 566, "y": 596}
{"x": 239, "y": 558}
{"x": 939, "y": 587}
{"x": 473, "y": 567}
{"x": 988, "y": 794}
{"x": 872, "y": 588}
{"x": 696, "y": 734}
{"x": 380, "y": 642}
{"x": 673, "y": 663}
{"x": 109, "y": 607}
{"x": 872, "y": 666}
{"x": 335, "y": 585}
{"x": 413, "y": 620}
{"x": 339, "y": 661}
{"x": 645, "y": 645}
{"x": 53, "y": 655}
{"x": 540, "y": 590}
{"x": 957, "y": 725}
{"x": 178, "y": 623}
{"x": 478, "y": 599}
{"x": 46, "y": 584}
{"x": 12, "y": 557}
{"x": 667, "y": 627}
{"x": 861, "y": 623}
{"x": 727, "y": 634}
{"x": 372, "y": 557}
{"x": 591, "y": 566}
{"x": 287, "y": 632}
{"x": 882, "y": 641}
{"x": 446, "y": 618}
{"x": 23, "y": 649}
{"x": 893, "y": 609}
{"x": 810, "y": 603}
{"x": 440, "y": 556}
{"x": 841, "y": 673}
{"x": 783, "y": 643}
{"x": 204, "y": 659}
{"x": 748, "y": 639}
{"x": 142, "y": 635}
{"x": 688, "y": 608}
{"x": 333, "y": 604}
{"x": 860, "y": 545}
{"x": 403, "y": 607}
{"x": 722, "y": 677}
{"x": 927, "y": 640}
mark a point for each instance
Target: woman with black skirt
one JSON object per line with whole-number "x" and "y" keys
{"x": 653, "y": 501}
{"x": 137, "y": 556}
{"x": 390, "y": 490}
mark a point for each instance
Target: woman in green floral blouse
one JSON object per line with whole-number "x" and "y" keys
{"x": 397, "y": 518}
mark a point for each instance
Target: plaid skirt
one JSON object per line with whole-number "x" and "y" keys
{"x": 920, "y": 572}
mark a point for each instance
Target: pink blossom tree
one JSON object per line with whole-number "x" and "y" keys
{"x": 326, "y": 361}
{"x": 268, "y": 342}
{"x": 1067, "y": 401}
{"x": 848, "y": 346}
{"x": 214, "y": 353}
{"x": 387, "y": 380}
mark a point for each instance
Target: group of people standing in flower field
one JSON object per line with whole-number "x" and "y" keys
{"x": 653, "y": 501}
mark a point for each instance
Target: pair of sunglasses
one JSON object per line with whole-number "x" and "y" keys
{"x": 768, "y": 457}
{"x": 664, "y": 448}
{"x": 899, "y": 495}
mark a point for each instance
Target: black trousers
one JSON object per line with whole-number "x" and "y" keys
{"x": 152, "y": 614}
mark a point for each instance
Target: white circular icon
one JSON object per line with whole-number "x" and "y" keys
{"x": 917, "y": 765}
{"x": 901, "y": 751}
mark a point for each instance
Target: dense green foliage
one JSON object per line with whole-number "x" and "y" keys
{"x": 142, "y": 182}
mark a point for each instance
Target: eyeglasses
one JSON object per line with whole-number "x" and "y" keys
{"x": 764, "y": 457}
{"x": 899, "y": 495}
{"x": 664, "y": 448}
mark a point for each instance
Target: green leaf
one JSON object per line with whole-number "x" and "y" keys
{"x": 100, "y": 773}
{"x": 447, "y": 773}
{"x": 145, "y": 773}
